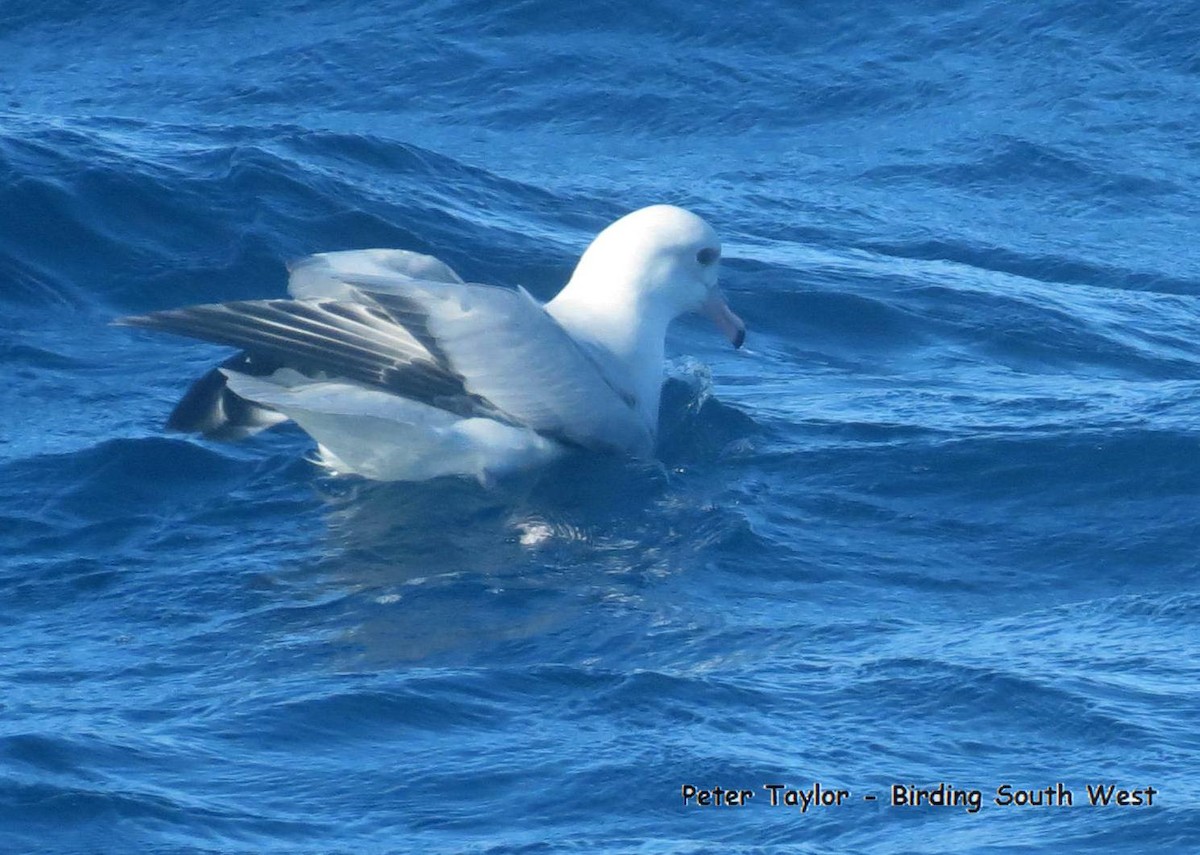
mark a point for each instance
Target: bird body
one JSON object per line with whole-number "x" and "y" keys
{"x": 400, "y": 370}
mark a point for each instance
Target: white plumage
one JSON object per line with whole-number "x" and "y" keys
{"x": 401, "y": 371}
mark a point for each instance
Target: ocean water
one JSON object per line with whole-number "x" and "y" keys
{"x": 936, "y": 524}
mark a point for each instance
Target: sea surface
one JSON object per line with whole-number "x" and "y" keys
{"x": 936, "y": 524}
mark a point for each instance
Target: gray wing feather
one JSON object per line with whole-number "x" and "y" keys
{"x": 515, "y": 355}
{"x": 326, "y": 276}
{"x": 469, "y": 349}
{"x": 356, "y": 342}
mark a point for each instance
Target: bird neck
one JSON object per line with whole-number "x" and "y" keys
{"x": 627, "y": 331}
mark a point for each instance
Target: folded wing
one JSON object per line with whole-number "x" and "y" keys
{"x": 472, "y": 350}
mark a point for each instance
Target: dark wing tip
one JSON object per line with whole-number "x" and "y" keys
{"x": 151, "y": 321}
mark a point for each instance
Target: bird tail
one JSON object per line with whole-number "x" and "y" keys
{"x": 211, "y": 408}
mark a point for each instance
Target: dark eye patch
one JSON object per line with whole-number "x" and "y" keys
{"x": 708, "y": 255}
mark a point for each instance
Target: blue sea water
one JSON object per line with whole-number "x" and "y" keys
{"x": 936, "y": 523}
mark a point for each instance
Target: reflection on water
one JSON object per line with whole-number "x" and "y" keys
{"x": 448, "y": 568}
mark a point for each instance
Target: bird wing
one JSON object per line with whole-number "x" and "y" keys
{"x": 324, "y": 276}
{"x": 473, "y": 350}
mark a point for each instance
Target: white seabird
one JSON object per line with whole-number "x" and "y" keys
{"x": 401, "y": 371}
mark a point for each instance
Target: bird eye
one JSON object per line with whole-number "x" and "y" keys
{"x": 708, "y": 255}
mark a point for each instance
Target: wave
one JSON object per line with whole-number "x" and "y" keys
{"x": 212, "y": 219}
